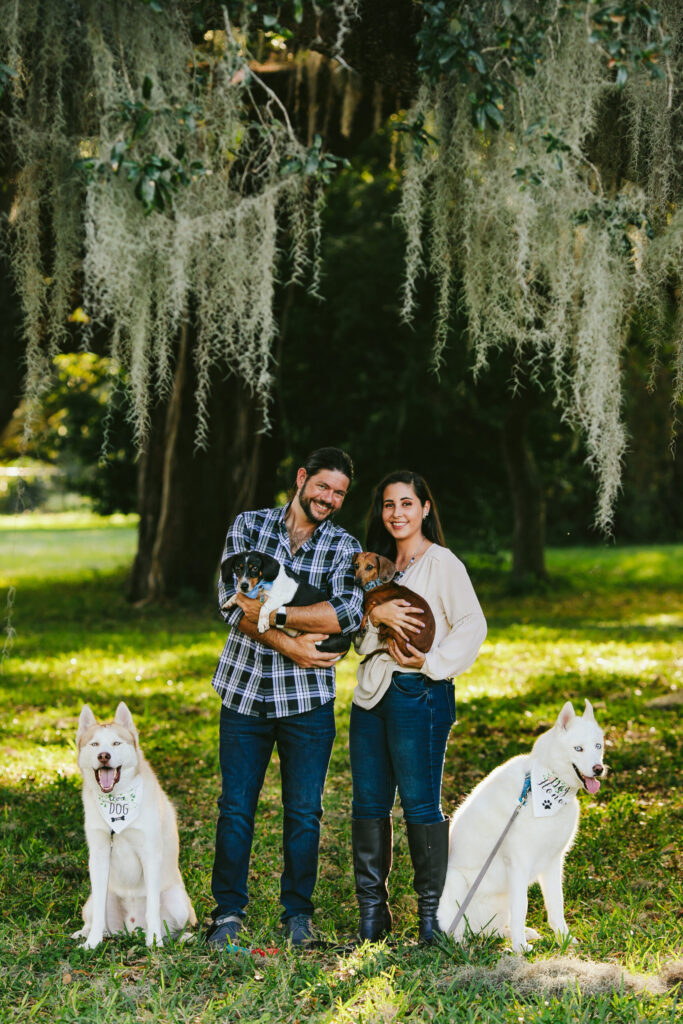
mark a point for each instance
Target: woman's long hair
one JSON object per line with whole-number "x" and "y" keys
{"x": 376, "y": 536}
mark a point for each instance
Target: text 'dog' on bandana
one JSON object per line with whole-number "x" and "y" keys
{"x": 120, "y": 809}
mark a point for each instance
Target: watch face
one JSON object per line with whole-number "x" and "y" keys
{"x": 280, "y": 617}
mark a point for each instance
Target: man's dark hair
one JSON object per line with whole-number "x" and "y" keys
{"x": 329, "y": 458}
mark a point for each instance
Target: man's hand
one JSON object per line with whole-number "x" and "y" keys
{"x": 302, "y": 650}
{"x": 251, "y": 606}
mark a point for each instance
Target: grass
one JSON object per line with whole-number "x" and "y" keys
{"x": 608, "y": 628}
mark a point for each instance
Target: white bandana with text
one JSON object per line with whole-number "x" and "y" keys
{"x": 549, "y": 794}
{"x": 120, "y": 809}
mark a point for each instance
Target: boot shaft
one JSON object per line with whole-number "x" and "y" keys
{"x": 429, "y": 853}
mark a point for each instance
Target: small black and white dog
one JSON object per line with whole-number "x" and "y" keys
{"x": 262, "y": 577}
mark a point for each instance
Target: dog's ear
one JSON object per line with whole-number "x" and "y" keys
{"x": 588, "y": 710}
{"x": 566, "y": 716}
{"x": 270, "y": 567}
{"x": 386, "y": 570}
{"x": 123, "y": 717}
{"x": 86, "y": 719}
{"x": 227, "y": 571}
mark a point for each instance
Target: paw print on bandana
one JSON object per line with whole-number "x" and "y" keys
{"x": 547, "y": 804}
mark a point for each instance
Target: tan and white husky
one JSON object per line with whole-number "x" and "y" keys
{"x": 130, "y": 826}
{"x": 564, "y": 760}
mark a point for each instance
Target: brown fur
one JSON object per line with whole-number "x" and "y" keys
{"x": 370, "y": 567}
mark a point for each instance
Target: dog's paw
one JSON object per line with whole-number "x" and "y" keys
{"x": 531, "y": 935}
{"x": 263, "y": 622}
{"x": 154, "y": 939}
{"x": 82, "y": 933}
{"x": 92, "y": 942}
{"x": 520, "y": 948}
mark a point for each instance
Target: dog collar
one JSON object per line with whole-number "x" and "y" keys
{"x": 119, "y": 809}
{"x": 372, "y": 585}
{"x": 256, "y": 591}
{"x": 548, "y": 793}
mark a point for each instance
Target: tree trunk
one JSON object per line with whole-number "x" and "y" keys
{"x": 187, "y": 497}
{"x": 526, "y": 491}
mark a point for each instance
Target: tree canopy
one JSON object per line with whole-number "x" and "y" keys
{"x": 159, "y": 174}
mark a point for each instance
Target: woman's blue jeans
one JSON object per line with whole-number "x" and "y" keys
{"x": 304, "y": 745}
{"x": 401, "y": 744}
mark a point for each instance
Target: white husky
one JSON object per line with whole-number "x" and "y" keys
{"x": 132, "y": 837}
{"x": 567, "y": 758}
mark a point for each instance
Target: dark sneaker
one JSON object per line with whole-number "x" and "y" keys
{"x": 298, "y": 930}
{"x": 224, "y": 931}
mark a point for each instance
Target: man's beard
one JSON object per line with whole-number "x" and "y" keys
{"x": 305, "y": 503}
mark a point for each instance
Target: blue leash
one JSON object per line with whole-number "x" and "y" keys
{"x": 523, "y": 796}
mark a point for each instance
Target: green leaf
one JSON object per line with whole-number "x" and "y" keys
{"x": 494, "y": 114}
{"x": 446, "y": 56}
{"x": 147, "y": 87}
{"x": 142, "y": 124}
{"x": 478, "y": 61}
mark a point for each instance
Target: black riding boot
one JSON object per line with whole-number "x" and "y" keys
{"x": 371, "y": 839}
{"x": 429, "y": 852}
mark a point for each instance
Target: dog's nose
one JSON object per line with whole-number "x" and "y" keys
{"x": 104, "y": 757}
{"x": 598, "y": 769}
{"x": 244, "y": 587}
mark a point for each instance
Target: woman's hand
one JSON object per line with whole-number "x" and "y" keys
{"x": 415, "y": 659}
{"x": 400, "y": 615}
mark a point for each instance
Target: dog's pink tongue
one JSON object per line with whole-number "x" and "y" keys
{"x": 592, "y": 785}
{"x": 107, "y": 776}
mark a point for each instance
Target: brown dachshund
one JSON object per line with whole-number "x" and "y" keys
{"x": 375, "y": 574}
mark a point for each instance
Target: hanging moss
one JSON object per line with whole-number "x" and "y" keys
{"x": 554, "y": 253}
{"x": 145, "y": 162}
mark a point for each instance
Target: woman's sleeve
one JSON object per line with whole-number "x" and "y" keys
{"x": 366, "y": 640}
{"x": 459, "y": 648}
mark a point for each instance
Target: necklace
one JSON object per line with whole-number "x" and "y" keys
{"x": 418, "y": 553}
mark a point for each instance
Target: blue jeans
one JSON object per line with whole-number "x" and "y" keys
{"x": 401, "y": 744}
{"x": 304, "y": 745}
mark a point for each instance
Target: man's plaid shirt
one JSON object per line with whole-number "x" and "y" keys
{"x": 250, "y": 677}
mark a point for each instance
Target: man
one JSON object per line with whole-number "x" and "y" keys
{"x": 278, "y": 689}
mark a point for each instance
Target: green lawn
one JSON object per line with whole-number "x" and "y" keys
{"x": 608, "y": 628}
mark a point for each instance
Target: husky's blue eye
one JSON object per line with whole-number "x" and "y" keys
{"x": 580, "y": 749}
{"x": 598, "y": 746}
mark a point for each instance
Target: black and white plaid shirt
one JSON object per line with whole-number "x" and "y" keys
{"x": 250, "y": 677}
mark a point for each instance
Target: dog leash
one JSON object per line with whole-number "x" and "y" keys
{"x": 523, "y": 797}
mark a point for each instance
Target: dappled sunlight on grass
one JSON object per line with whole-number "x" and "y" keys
{"x": 607, "y": 628}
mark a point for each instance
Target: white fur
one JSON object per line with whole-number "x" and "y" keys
{"x": 534, "y": 848}
{"x": 281, "y": 592}
{"x": 134, "y": 876}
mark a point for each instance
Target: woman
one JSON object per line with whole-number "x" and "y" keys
{"x": 404, "y": 706}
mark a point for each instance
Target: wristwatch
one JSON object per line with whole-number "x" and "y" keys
{"x": 281, "y": 618}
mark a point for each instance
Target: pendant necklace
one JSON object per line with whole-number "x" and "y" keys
{"x": 401, "y": 572}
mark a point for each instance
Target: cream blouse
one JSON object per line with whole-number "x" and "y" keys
{"x": 442, "y": 580}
